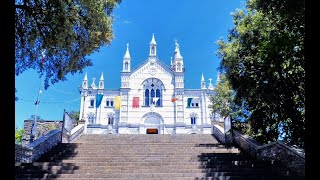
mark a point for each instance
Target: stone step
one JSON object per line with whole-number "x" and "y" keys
{"x": 153, "y": 169}
{"x": 239, "y": 172}
{"x": 149, "y": 158}
{"x": 105, "y": 174}
{"x": 146, "y": 157}
{"x": 179, "y": 164}
{"x": 264, "y": 177}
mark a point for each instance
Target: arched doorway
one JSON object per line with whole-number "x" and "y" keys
{"x": 151, "y": 123}
{"x": 152, "y": 131}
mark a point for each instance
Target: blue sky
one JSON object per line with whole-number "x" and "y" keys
{"x": 196, "y": 25}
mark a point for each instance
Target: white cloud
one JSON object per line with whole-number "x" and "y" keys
{"x": 127, "y": 22}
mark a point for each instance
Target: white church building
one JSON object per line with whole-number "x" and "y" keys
{"x": 152, "y": 99}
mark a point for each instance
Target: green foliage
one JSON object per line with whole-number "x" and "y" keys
{"x": 74, "y": 115}
{"x": 222, "y": 99}
{"x": 264, "y": 60}
{"x": 51, "y": 127}
{"x": 19, "y": 135}
{"x": 69, "y": 31}
{"x": 16, "y": 98}
{"x": 33, "y": 116}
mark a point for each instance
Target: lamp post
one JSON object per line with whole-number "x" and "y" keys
{"x": 34, "y": 123}
{"x": 84, "y": 94}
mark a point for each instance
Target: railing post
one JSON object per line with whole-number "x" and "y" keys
{"x": 62, "y": 127}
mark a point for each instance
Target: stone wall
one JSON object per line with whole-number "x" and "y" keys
{"x": 292, "y": 158}
{"x": 34, "y": 150}
{"x": 218, "y": 133}
{"x": 43, "y": 127}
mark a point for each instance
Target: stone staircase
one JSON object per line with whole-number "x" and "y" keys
{"x": 150, "y": 156}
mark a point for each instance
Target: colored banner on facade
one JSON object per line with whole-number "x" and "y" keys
{"x": 98, "y": 99}
{"x": 154, "y": 100}
{"x": 189, "y": 102}
{"x": 135, "y": 102}
{"x": 117, "y": 103}
{"x": 174, "y": 99}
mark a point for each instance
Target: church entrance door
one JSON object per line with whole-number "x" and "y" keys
{"x": 152, "y": 131}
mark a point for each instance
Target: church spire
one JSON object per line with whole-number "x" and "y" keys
{"x": 153, "y": 46}
{"x": 210, "y": 86}
{"x": 177, "y": 51}
{"x": 101, "y": 82}
{"x": 101, "y": 77}
{"x": 153, "y": 40}
{"x": 126, "y": 60}
{"x": 85, "y": 81}
{"x": 127, "y": 54}
{"x": 177, "y": 65}
{"x": 203, "y": 82}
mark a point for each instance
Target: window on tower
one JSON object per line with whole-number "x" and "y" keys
{"x": 91, "y": 103}
{"x": 126, "y": 65}
{"x": 178, "y": 66}
{"x": 153, "y": 50}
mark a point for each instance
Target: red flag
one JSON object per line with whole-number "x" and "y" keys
{"x": 135, "y": 102}
{"x": 174, "y": 99}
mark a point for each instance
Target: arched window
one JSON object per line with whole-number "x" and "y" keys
{"x": 126, "y": 66}
{"x": 146, "y": 96}
{"x": 193, "y": 120}
{"x": 152, "y": 50}
{"x": 152, "y": 94}
{"x": 153, "y": 88}
{"x": 111, "y": 117}
{"x": 91, "y": 118}
{"x": 178, "y": 66}
{"x": 159, "y": 96}
{"x": 110, "y": 120}
{"x": 91, "y": 102}
{"x": 193, "y": 117}
{"x": 101, "y": 84}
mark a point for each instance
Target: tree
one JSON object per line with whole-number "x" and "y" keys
{"x": 74, "y": 115}
{"x": 16, "y": 98}
{"x": 33, "y": 116}
{"x": 68, "y": 31}
{"x": 19, "y": 135}
{"x": 222, "y": 99}
{"x": 264, "y": 60}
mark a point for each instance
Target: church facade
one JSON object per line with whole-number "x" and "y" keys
{"x": 152, "y": 99}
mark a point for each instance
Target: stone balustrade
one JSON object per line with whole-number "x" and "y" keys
{"x": 76, "y": 132}
{"x": 32, "y": 151}
{"x": 291, "y": 157}
{"x": 218, "y": 133}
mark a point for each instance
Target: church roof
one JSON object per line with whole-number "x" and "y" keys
{"x": 157, "y": 61}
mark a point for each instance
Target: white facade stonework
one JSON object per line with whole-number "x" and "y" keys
{"x": 154, "y": 85}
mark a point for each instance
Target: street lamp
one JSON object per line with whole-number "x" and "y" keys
{"x": 34, "y": 123}
{"x": 84, "y": 94}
